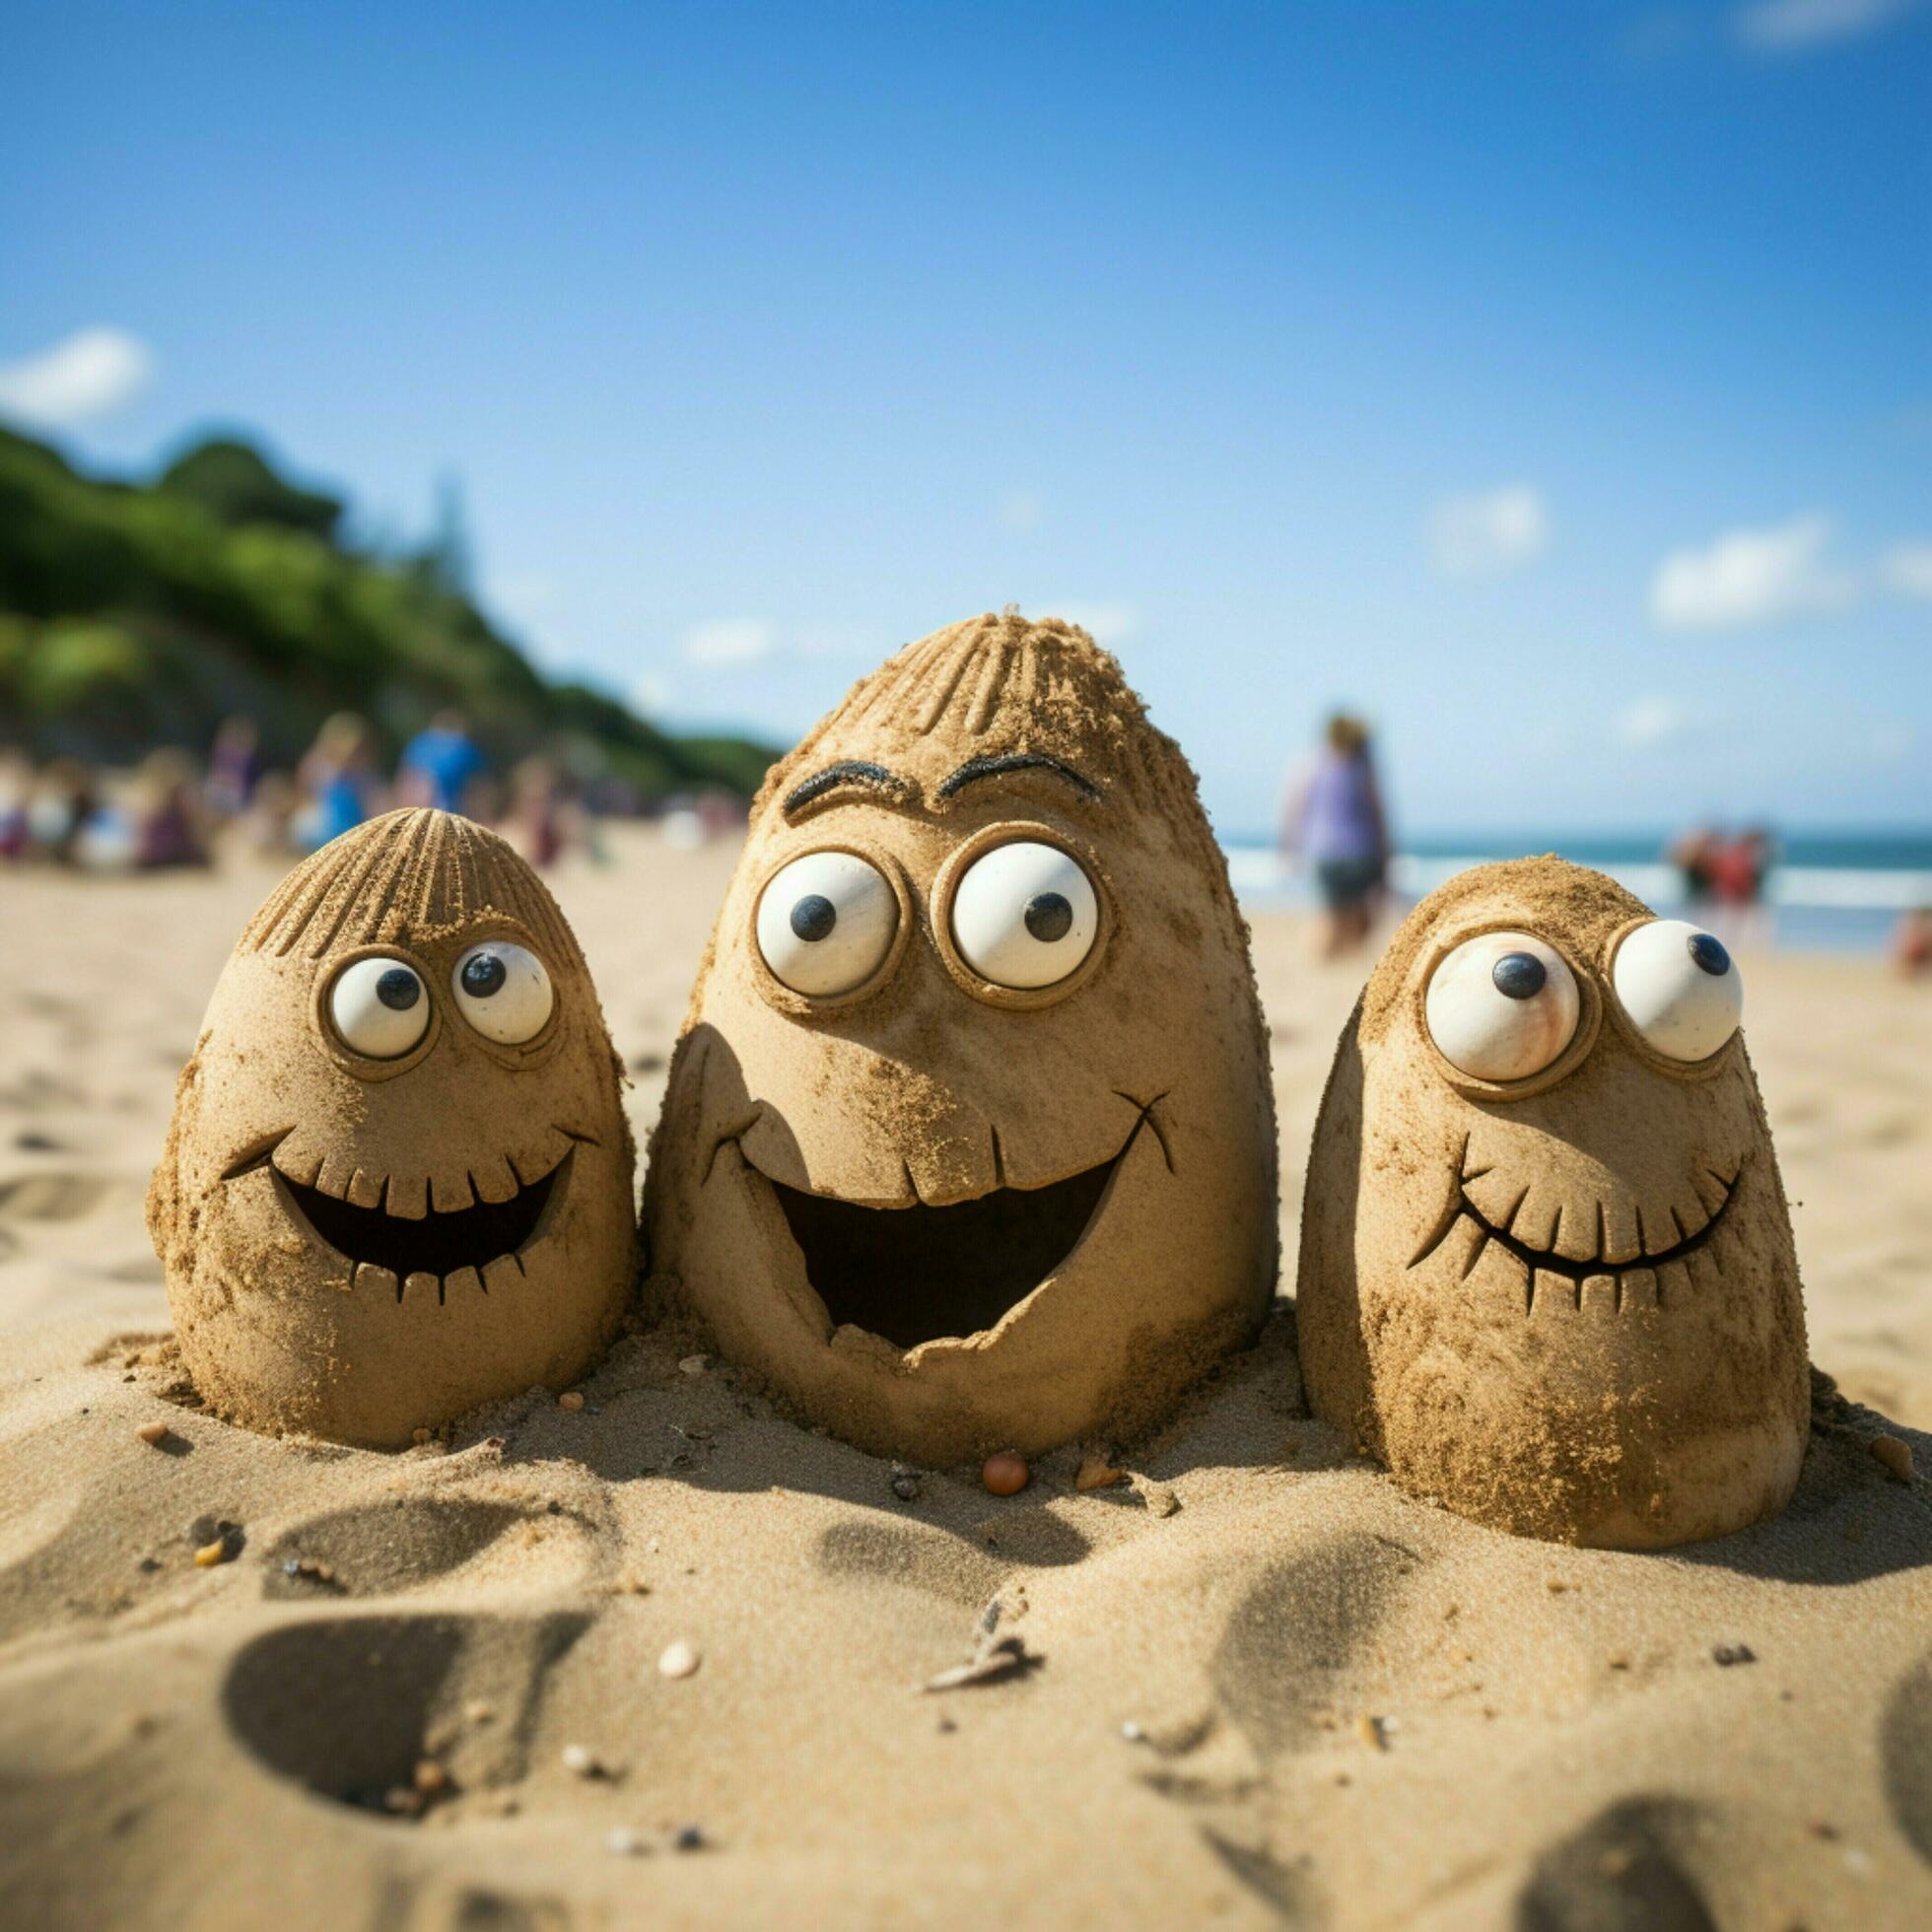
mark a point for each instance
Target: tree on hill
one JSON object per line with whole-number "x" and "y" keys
{"x": 233, "y": 483}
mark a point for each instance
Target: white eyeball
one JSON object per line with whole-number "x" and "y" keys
{"x": 1502, "y": 1007}
{"x": 825, "y": 923}
{"x": 380, "y": 1007}
{"x": 1024, "y": 916}
{"x": 504, "y": 991}
{"x": 1680, "y": 986}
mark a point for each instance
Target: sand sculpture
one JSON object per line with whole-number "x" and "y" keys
{"x": 969, "y": 1137}
{"x": 1546, "y": 1268}
{"x": 398, "y": 1178}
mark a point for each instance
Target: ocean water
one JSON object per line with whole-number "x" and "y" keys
{"x": 1829, "y": 891}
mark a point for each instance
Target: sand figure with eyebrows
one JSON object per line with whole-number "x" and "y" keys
{"x": 398, "y": 1178}
{"x": 1546, "y": 1268}
{"x": 969, "y": 1140}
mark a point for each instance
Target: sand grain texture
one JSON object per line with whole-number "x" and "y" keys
{"x": 1347, "y": 1708}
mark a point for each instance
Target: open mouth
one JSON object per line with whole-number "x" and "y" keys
{"x": 440, "y": 1244}
{"x": 1567, "y": 1267}
{"x": 921, "y": 1273}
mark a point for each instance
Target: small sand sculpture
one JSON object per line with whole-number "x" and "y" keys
{"x": 1547, "y": 1268}
{"x": 398, "y": 1178}
{"x": 969, "y": 1139}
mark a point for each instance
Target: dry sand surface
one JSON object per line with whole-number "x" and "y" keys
{"x": 1250, "y": 1683}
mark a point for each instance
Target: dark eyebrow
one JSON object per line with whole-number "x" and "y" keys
{"x": 848, "y": 771}
{"x": 975, "y": 769}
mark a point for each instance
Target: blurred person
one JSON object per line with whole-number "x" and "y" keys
{"x": 537, "y": 822}
{"x": 268, "y": 825}
{"x": 337, "y": 781}
{"x": 164, "y": 815}
{"x": 1911, "y": 944}
{"x": 1334, "y": 823}
{"x": 16, "y": 790}
{"x": 1691, "y": 854}
{"x": 235, "y": 767}
{"x": 439, "y": 764}
{"x": 1740, "y": 870}
{"x": 63, "y": 804}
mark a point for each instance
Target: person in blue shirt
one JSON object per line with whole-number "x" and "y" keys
{"x": 439, "y": 764}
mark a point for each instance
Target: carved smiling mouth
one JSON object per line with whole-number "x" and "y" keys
{"x": 919, "y": 1274}
{"x": 1546, "y": 1271}
{"x": 381, "y": 1247}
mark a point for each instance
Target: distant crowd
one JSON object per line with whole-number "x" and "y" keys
{"x": 170, "y": 811}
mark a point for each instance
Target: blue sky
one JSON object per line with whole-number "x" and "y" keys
{"x": 1552, "y": 383}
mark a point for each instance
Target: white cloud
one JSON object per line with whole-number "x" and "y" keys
{"x": 88, "y": 373}
{"x": 651, "y": 694}
{"x": 727, "y": 642}
{"x": 1651, "y": 720}
{"x": 1750, "y": 577}
{"x": 1488, "y": 533}
{"x": 1908, "y": 569}
{"x": 1108, "y": 624}
{"x": 1796, "y": 26}
{"x": 1021, "y": 509}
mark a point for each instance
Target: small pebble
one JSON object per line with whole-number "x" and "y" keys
{"x": 1894, "y": 1455}
{"x": 479, "y": 1711}
{"x": 1134, "y": 1733}
{"x": 1371, "y": 1732}
{"x": 690, "y": 1837}
{"x": 430, "y": 1777}
{"x": 1096, "y": 1473}
{"x": 582, "y": 1760}
{"x": 694, "y": 1364}
{"x": 211, "y": 1554}
{"x": 1734, "y": 1653}
{"x": 678, "y": 1660}
{"x": 906, "y": 1487}
{"x": 1004, "y": 1474}
{"x": 623, "y": 1843}
{"x": 570, "y": 1400}
{"x": 153, "y": 1432}
{"x": 1163, "y": 1502}
{"x": 420, "y": 1436}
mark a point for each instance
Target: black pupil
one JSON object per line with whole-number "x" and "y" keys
{"x": 1519, "y": 975}
{"x": 483, "y": 976}
{"x": 1049, "y": 917}
{"x": 815, "y": 916}
{"x": 399, "y": 988}
{"x": 1710, "y": 953}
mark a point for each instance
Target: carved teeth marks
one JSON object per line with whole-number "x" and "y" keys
{"x": 457, "y": 1247}
{"x": 1598, "y": 1283}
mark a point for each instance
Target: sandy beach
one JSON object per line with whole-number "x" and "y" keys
{"x": 666, "y": 1658}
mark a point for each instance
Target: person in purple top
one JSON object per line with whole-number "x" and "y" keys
{"x": 439, "y": 764}
{"x": 1335, "y": 822}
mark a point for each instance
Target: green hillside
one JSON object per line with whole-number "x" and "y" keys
{"x": 140, "y": 615}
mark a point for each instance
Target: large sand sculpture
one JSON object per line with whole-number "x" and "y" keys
{"x": 969, "y": 1137}
{"x": 1547, "y": 1268}
{"x": 398, "y": 1178}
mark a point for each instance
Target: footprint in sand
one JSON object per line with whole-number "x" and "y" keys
{"x": 349, "y": 1707}
{"x": 913, "y": 1556}
{"x": 1286, "y": 1657}
{"x": 379, "y": 1550}
{"x": 1626, "y": 1871}
{"x": 1905, "y": 1757}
